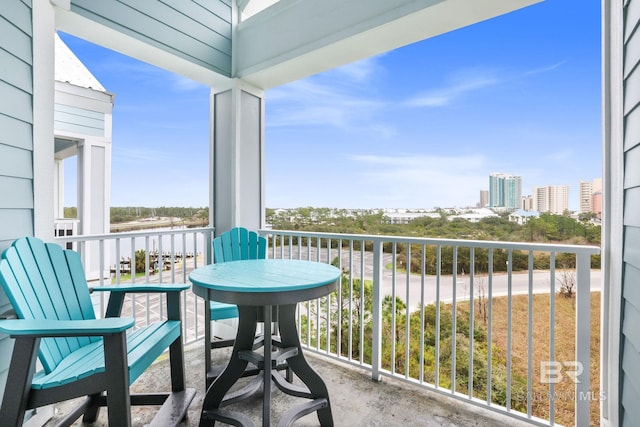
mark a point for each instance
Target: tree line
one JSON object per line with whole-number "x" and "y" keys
{"x": 134, "y": 213}
{"x": 547, "y": 228}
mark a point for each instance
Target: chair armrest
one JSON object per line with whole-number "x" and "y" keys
{"x": 65, "y": 328}
{"x": 143, "y": 287}
{"x": 118, "y": 292}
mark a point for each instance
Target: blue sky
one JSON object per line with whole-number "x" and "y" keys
{"x": 418, "y": 127}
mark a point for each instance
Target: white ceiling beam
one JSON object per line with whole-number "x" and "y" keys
{"x": 296, "y": 38}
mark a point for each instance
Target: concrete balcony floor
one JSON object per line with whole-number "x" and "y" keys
{"x": 355, "y": 399}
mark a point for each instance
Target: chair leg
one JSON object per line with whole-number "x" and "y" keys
{"x": 176, "y": 361}
{"x": 117, "y": 373}
{"x": 19, "y": 377}
{"x": 176, "y": 352}
{"x": 93, "y": 409}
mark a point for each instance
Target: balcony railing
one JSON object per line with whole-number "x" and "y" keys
{"x": 476, "y": 320}
{"x": 164, "y": 256}
{"x": 464, "y": 337}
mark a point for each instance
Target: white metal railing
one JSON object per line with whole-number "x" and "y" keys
{"x": 365, "y": 321}
{"x": 168, "y": 256}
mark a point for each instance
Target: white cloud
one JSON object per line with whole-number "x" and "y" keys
{"x": 470, "y": 80}
{"x": 545, "y": 69}
{"x": 421, "y": 180}
{"x": 307, "y": 103}
{"x": 343, "y": 98}
{"x": 461, "y": 83}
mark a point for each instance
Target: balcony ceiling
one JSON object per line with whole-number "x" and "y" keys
{"x": 280, "y": 41}
{"x": 293, "y": 39}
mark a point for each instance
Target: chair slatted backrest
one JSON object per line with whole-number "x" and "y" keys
{"x": 238, "y": 244}
{"x": 43, "y": 281}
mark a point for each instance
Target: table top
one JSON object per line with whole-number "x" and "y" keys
{"x": 264, "y": 281}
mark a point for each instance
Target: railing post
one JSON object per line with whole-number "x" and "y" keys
{"x": 376, "y": 312}
{"x": 583, "y": 339}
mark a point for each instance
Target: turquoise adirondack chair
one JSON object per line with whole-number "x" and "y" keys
{"x": 80, "y": 354}
{"x": 233, "y": 245}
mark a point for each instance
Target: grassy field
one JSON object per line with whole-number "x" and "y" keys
{"x": 564, "y": 326}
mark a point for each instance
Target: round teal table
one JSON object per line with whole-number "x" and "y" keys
{"x": 260, "y": 288}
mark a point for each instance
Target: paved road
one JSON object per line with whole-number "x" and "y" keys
{"x": 519, "y": 285}
{"x": 541, "y": 280}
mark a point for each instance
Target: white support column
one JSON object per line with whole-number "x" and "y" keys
{"x": 94, "y": 189}
{"x": 613, "y": 165}
{"x": 237, "y": 158}
{"x": 43, "y": 94}
{"x": 43, "y": 27}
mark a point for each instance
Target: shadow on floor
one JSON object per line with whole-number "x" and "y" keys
{"x": 356, "y": 400}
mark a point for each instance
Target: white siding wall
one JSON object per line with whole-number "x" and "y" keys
{"x": 630, "y": 339}
{"x": 16, "y": 137}
{"x": 78, "y": 120}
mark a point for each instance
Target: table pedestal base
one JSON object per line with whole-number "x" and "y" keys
{"x": 314, "y": 387}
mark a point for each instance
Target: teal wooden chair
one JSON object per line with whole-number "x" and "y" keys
{"x": 80, "y": 354}
{"x": 233, "y": 245}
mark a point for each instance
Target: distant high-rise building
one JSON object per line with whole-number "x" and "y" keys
{"x": 597, "y": 185}
{"x": 587, "y": 190}
{"x": 586, "y": 196}
{"x": 596, "y": 205}
{"x": 505, "y": 191}
{"x": 527, "y": 203}
{"x": 551, "y": 198}
{"x": 484, "y": 198}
